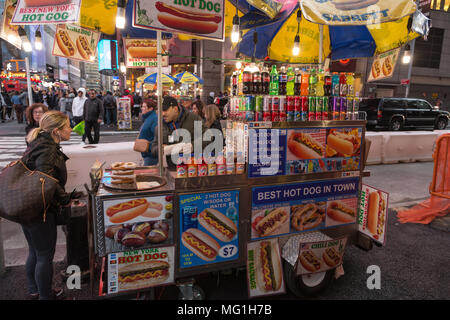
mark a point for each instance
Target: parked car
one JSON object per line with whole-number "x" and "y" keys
{"x": 398, "y": 113}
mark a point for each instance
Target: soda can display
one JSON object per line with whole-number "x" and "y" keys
{"x": 355, "y": 109}
{"x": 305, "y": 108}
{"x": 349, "y": 115}
{"x": 275, "y": 104}
{"x": 297, "y": 108}
{"x": 319, "y": 103}
{"x": 312, "y": 108}
{"x": 325, "y": 108}
{"x": 334, "y": 107}
{"x": 275, "y": 116}
{"x": 343, "y": 108}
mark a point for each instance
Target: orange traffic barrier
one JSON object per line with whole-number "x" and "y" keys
{"x": 438, "y": 204}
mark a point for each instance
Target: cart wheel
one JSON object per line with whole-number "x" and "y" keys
{"x": 197, "y": 293}
{"x": 306, "y": 285}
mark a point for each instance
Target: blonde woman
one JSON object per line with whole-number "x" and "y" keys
{"x": 212, "y": 118}
{"x": 44, "y": 154}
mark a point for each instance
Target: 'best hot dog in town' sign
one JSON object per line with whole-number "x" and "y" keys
{"x": 203, "y": 18}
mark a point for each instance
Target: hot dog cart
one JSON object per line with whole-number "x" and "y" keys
{"x": 287, "y": 202}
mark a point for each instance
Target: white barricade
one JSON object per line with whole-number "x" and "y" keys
{"x": 81, "y": 160}
{"x": 376, "y": 147}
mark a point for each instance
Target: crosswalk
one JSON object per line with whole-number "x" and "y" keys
{"x": 13, "y": 147}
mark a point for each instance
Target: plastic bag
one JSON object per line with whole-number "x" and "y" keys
{"x": 79, "y": 128}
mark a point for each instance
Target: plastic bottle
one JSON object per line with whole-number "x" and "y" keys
{"x": 234, "y": 84}
{"x": 327, "y": 88}
{"x": 232, "y": 213}
{"x": 282, "y": 82}
{"x": 297, "y": 82}
{"x": 335, "y": 84}
{"x": 343, "y": 88}
{"x": 290, "y": 82}
{"x": 265, "y": 81}
{"x": 247, "y": 80}
{"x": 350, "y": 85}
{"x": 312, "y": 82}
{"x": 273, "y": 90}
{"x": 320, "y": 84}
{"x": 256, "y": 80}
{"x": 304, "y": 89}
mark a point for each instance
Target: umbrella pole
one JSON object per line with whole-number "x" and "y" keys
{"x": 320, "y": 43}
{"x": 159, "y": 87}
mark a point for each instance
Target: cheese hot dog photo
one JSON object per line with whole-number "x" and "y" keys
{"x": 344, "y": 142}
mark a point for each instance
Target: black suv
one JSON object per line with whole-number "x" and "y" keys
{"x": 397, "y": 113}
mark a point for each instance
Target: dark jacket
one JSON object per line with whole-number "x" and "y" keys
{"x": 45, "y": 155}
{"x": 93, "y": 109}
{"x": 148, "y": 130}
{"x": 31, "y": 126}
{"x": 186, "y": 120}
{"x": 109, "y": 102}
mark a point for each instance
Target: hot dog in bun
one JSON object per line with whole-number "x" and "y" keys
{"x": 304, "y": 146}
{"x": 345, "y": 143}
{"x": 387, "y": 66}
{"x": 153, "y": 210}
{"x": 125, "y": 211}
{"x": 193, "y": 22}
{"x": 376, "y": 214}
{"x": 84, "y": 48}
{"x": 309, "y": 261}
{"x": 141, "y": 48}
{"x": 306, "y": 217}
{"x": 217, "y": 224}
{"x": 376, "y": 69}
{"x": 43, "y": 3}
{"x": 340, "y": 212}
{"x": 205, "y": 247}
{"x": 143, "y": 274}
{"x": 331, "y": 257}
{"x": 271, "y": 222}
{"x": 64, "y": 42}
{"x": 268, "y": 268}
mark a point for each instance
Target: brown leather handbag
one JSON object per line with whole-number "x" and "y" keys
{"x": 141, "y": 145}
{"x": 25, "y": 195}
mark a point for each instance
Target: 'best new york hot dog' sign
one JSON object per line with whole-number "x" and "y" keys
{"x": 203, "y": 18}
{"x": 46, "y": 11}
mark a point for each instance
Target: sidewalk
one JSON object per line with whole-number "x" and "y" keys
{"x": 12, "y": 128}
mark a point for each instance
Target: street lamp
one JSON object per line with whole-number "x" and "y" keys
{"x": 26, "y": 44}
{"x": 407, "y": 54}
{"x": 120, "y": 16}
{"x": 235, "y": 29}
{"x": 38, "y": 39}
{"x": 296, "y": 48}
{"x": 123, "y": 68}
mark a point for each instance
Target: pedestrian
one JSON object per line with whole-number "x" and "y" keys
{"x": 197, "y": 108}
{"x": 137, "y": 100}
{"x": 147, "y": 132}
{"x": 77, "y": 108}
{"x": 3, "y": 107}
{"x": 17, "y": 105}
{"x": 68, "y": 107}
{"x": 9, "y": 106}
{"x": 92, "y": 116}
{"x": 34, "y": 114}
{"x": 44, "y": 154}
{"x": 62, "y": 102}
{"x": 45, "y": 97}
{"x": 212, "y": 119}
{"x": 210, "y": 98}
{"x": 109, "y": 103}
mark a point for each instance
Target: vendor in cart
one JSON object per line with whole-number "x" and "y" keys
{"x": 176, "y": 117}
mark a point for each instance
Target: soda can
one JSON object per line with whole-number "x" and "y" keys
{"x": 283, "y": 103}
{"x": 343, "y": 108}
{"x": 259, "y": 103}
{"x": 259, "y": 116}
{"x": 221, "y": 169}
{"x": 325, "y": 108}
{"x": 192, "y": 170}
{"x": 349, "y": 115}
{"x": 290, "y": 116}
{"x": 267, "y": 104}
{"x": 355, "y": 109}
{"x": 319, "y": 103}
{"x": 305, "y": 108}
{"x": 275, "y": 116}
{"x": 249, "y": 103}
{"x": 283, "y": 116}
{"x": 240, "y": 168}
{"x": 181, "y": 171}
{"x": 275, "y": 104}
{"x": 202, "y": 170}
{"x": 230, "y": 168}
{"x": 312, "y": 108}
{"x": 190, "y": 214}
{"x": 212, "y": 169}
{"x": 297, "y": 109}
{"x": 267, "y": 116}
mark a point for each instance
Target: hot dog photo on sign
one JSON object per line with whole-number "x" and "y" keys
{"x": 343, "y": 142}
{"x": 270, "y": 222}
{"x": 137, "y": 223}
{"x": 342, "y": 211}
{"x": 320, "y": 256}
{"x": 305, "y": 144}
{"x": 75, "y": 42}
{"x": 202, "y": 17}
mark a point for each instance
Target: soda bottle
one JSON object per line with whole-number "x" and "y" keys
{"x": 335, "y": 84}
{"x": 290, "y": 82}
{"x": 343, "y": 88}
{"x": 274, "y": 81}
{"x": 327, "y": 87}
{"x": 256, "y": 80}
{"x": 312, "y": 82}
{"x": 320, "y": 83}
{"x": 282, "y": 82}
{"x": 304, "y": 89}
{"x": 350, "y": 84}
{"x": 297, "y": 82}
{"x": 234, "y": 84}
{"x": 265, "y": 81}
{"x": 247, "y": 80}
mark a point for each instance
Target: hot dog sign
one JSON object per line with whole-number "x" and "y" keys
{"x": 203, "y": 18}
{"x": 46, "y": 11}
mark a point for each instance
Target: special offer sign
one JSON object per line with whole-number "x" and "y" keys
{"x": 46, "y": 11}
{"x": 203, "y": 18}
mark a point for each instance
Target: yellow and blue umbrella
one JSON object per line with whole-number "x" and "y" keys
{"x": 152, "y": 78}
{"x": 275, "y": 37}
{"x": 188, "y": 77}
